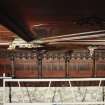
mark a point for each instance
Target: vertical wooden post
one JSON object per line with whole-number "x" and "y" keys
{"x": 67, "y": 60}
{"x": 39, "y": 62}
{"x": 67, "y": 56}
{"x": 66, "y": 68}
{"x": 92, "y": 54}
{"x": 93, "y": 68}
{"x": 12, "y": 65}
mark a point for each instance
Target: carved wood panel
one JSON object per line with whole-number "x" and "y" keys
{"x": 100, "y": 63}
{"x": 79, "y": 64}
{"x": 53, "y": 65}
{"x": 80, "y": 67}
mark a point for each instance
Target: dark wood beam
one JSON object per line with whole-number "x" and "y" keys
{"x": 15, "y": 25}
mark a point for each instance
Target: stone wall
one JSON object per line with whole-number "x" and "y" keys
{"x": 54, "y": 94}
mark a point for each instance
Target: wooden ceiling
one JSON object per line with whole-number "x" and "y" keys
{"x": 6, "y": 36}
{"x": 37, "y": 19}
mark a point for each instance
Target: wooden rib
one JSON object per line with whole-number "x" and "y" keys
{"x": 76, "y": 34}
{"x": 73, "y": 38}
{"x": 95, "y": 40}
{"x": 80, "y": 42}
{"x": 4, "y": 43}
